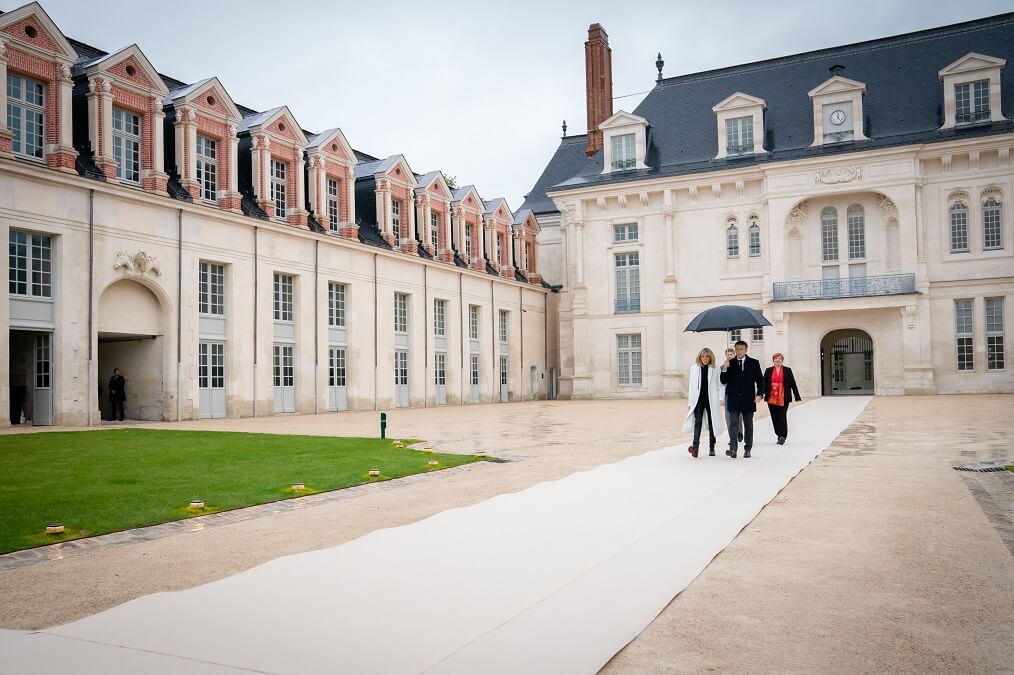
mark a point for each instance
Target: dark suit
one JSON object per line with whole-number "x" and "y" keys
{"x": 742, "y": 386}
{"x": 117, "y": 395}
{"x": 779, "y": 413}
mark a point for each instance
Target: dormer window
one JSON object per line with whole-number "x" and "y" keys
{"x": 623, "y": 152}
{"x": 207, "y": 168}
{"x": 332, "y": 204}
{"x": 26, "y": 115}
{"x": 838, "y": 126}
{"x": 740, "y": 120}
{"x": 396, "y": 216}
{"x": 739, "y": 136}
{"x": 127, "y": 145}
{"x": 278, "y": 189}
{"x": 971, "y": 102}
{"x": 837, "y": 110}
{"x": 435, "y": 230}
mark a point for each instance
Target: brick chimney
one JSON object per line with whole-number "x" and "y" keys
{"x": 598, "y": 66}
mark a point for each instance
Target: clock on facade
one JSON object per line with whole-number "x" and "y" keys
{"x": 838, "y": 117}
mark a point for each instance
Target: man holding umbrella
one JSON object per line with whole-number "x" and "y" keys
{"x": 744, "y": 389}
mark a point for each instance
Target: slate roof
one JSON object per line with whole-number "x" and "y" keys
{"x": 519, "y": 217}
{"x": 492, "y": 204}
{"x": 426, "y": 178}
{"x": 364, "y": 169}
{"x": 253, "y": 120}
{"x": 180, "y": 92}
{"x": 903, "y": 105}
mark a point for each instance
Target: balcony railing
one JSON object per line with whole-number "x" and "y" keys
{"x": 625, "y": 305}
{"x": 854, "y": 287}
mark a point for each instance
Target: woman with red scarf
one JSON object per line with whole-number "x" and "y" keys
{"x": 780, "y": 385}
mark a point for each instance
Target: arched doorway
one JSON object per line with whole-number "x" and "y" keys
{"x": 130, "y": 338}
{"x": 846, "y": 360}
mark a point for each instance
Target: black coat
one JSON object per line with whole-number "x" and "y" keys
{"x": 117, "y": 388}
{"x": 743, "y": 386}
{"x": 790, "y": 383}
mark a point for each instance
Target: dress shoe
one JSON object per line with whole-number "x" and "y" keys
{"x": 693, "y": 451}
{"x": 739, "y": 437}
{"x": 781, "y": 440}
{"x": 711, "y": 453}
{"x": 746, "y": 454}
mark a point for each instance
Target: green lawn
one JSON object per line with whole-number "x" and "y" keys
{"x": 103, "y": 481}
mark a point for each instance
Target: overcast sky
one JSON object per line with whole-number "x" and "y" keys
{"x": 477, "y": 90}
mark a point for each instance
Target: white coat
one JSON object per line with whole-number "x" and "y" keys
{"x": 716, "y": 393}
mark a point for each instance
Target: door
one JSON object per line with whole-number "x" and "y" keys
{"x": 473, "y": 378}
{"x": 283, "y": 366}
{"x": 211, "y": 378}
{"x": 831, "y": 286}
{"x": 42, "y": 407}
{"x": 504, "y": 380}
{"x": 401, "y": 378}
{"x": 440, "y": 377}
{"x": 531, "y": 383}
{"x": 338, "y": 398}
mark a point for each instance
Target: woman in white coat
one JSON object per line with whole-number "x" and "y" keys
{"x": 704, "y": 396}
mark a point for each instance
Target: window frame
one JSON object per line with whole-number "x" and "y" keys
{"x": 401, "y": 313}
{"x": 31, "y": 113}
{"x": 629, "y": 354}
{"x": 439, "y": 317}
{"x": 435, "y": 230}
{"x": 829, "y": 250}
{"x": 754, "y": 238}
{"x": 964, "y": 335}
{"x": 855, "y": 231}
{"x": 740, "y": 129}
{"x": 995, "y": 342}
{"x": 211, "y": 289}
{"x": 283, "y": 305}
{"x": 127, "y": 140}
{"x": 973, "y": 100}
{"x": 626, "y": 233}
{"x": 38, "y": 264}
{"x": 440, "y": 369}
{"x": 992, "y": 224}
{"x": 279, "y": 188}
{"x": 621, "y": 144}
{"x": 207, "y": 165}
{"x": 473, "y": 322}
{"x": 336, "y": 299}
{"x": 627, "y": 278}
{"x": 731, "y": 241}
{"x": 332, "y": 202}
{"x": 503, "y": 326}
{"x": 957, "y": 222}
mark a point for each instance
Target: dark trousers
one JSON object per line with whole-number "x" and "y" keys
{"x": 779, "y": 419}
{"x": 747, "y": 418}
{"x": 699, "y": 413}
{"x": 117, "y": 410}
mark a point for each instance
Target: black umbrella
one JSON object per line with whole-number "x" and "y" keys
{"x": 726, "y": 318}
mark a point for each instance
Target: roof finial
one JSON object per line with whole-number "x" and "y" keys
{"x": 836, "y": 69}
{"x": 658, "y": 64}
{"x": 564, "y": 129}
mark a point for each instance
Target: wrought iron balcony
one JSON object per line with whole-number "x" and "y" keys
{"x": 854, "y": 287}
{"x": 626, "y": 305}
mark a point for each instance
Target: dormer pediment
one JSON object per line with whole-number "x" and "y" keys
{"x": 622, "y": 119}
{"x": 131, "y": 67}
{"x": 434, "y": 183}
{"x": 398, "y": 170}
{"x": 277, "y": 122}
{"x": 738, "y": 101}
{"x": 970, "y": 62}
{"x": 31, "y": 28}
{"x": 498, "y": 210}
{"x": 209, "y": 95}
{"x": 837, "y": 85}
{"x": 332, "y": 142}
{"x": 526, "y": 220}
{"x": 468, "y": 197}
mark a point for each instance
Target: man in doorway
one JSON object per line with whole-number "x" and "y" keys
{"x": 117, "y": 394}
{"x": 744, "y": 389}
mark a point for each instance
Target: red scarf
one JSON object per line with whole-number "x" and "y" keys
{"x": 777, "y": 394}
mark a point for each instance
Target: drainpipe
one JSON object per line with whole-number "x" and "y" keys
{"x": 376, "y": 360}
{"x": 255, "y": 275}
{"x": 462, "y": 319}
{"x": 426, "y": 339}
{"x": 316, "y": 327}
{"x": 91, "y": 306}
{"x": 496, "y": 355}
{"x": 179, "y": 309}
{"x": 521, "y": 322}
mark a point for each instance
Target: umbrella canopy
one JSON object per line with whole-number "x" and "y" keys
{"x": 726, "y": 318}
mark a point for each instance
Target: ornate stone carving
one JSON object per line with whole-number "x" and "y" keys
{"x": 798, "y": 214}
{"x": 139, "y": 263}
{"x": 668, "y": 211}
{"x": 887, "y": 207}
{"x": 992, "y": 192}
{"x": 838, "y": 174}
{"x": 957, "y": 196}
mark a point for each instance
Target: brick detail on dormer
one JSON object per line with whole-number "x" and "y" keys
{"x": 330, "y": 164}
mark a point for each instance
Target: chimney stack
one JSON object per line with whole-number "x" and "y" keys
{"x": 598, "y": 63}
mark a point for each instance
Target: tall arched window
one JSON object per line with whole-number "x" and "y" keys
{"x": 755, "y": 246}
{"x": 732, "y": 241}
{"x": 856, "y": 220}
{"x": 829, "y": 234}
{"x": 959, "y": 227}
{"x": 992, "y": 228}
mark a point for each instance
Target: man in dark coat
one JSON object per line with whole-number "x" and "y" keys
{"x": 117, "y": 393}
{"x": 744, "y": 389}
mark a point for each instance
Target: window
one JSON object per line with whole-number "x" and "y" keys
{"x": 396, "y": 217}
{"x": 959, "y": 227}
{"x": 336, "y": 305}
{"x": 754, "y": 233}
{"x": 473, "y": 368}
{"x": 963, "y": 333}
{"x": 628, "y": 282}
{"x": 332, "y": 204}
{"x": 758, "y": 335}
{"x": 628, "y": 359}
{"x": 992, "y": 230}
{"x": 504, "y": 372}
{"x": 282, "y": 365}
{"x": 401, "y": 368}
{"x": 211, "y": 291}
{"x": 435, "y": 230}
{"x": 829, "y": 234}
{"x": 504, "y": 325}
{"x": 735, "y": 335}
{"x": 439, "y": 317}
{"x": 473, "y": 322}
{"x": 336, "y": 370}
{"x": 400, "y": 313}
{"x": 127, "y": 145}
{"x": 31, "y": 264}
{"x": 994, "y": 334}
{"x": 42, "y": 361}
{"x": 732, "y": 242}
{"x": 439, "y": 368}
{"x": 625, "y": 233}
{"x": 468, "y": 242}
{"x": 623, "y": 152}
{"x": 211, "y": 365}
{"x": 26, "y": 115}
{"x": 283, "y": 297}
{"x": 528, "y": 252}
{"x": 499, "y": 248}
{"x": 971, "y": 102}
{"x": 856, "y": 225}
{"x": 739, "y": 136}
{"x": 278, "y": 188}
{"x": 207, "y": 168}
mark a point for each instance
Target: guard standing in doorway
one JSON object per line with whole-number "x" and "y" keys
{"x": 117, "y": 393}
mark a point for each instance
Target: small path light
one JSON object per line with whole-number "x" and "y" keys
{"x": 433, "y": 462}
{"x": 54, "y": 528}
{"x": 374, "y": 472}
{"x": 197, "y": 504}
{"x": 383, "y": 425}
{"x": 298, "y": 486}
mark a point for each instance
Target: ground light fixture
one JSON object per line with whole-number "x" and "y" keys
{"x": 54, "y": 528}
{"x": 197, "y": 504}
{"x": 374, "y": 472}
{"x": 298, "y": 486}
{"x": 433, "y": 462}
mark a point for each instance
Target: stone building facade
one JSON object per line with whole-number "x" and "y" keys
{"x": 230, "y": 263}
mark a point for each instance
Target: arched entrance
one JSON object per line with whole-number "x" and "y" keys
{"x": 846, "y": 363}
{"x": 130, "y": 338}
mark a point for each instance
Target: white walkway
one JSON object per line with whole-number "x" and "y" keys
{"x": 554, "y": 579}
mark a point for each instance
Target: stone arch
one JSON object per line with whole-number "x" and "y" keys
{"x": 848, "y": 362}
